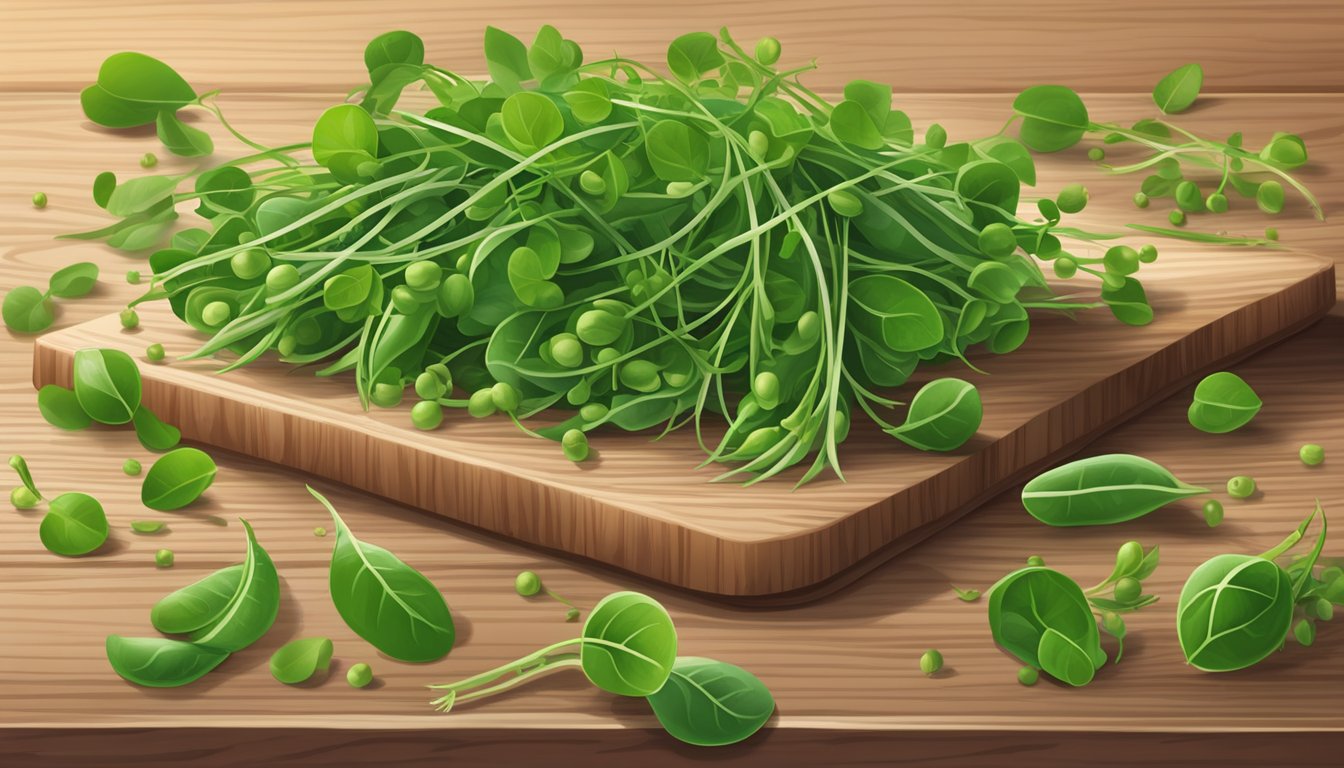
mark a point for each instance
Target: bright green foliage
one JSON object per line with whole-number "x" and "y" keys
{"x": 1223, "y": 402}
{"x": 1179, "y": 89}
{"x": 1102, "y": 490}
{"x": 569, "y": 234}
{"x": 177, "y": 479}
{"x": 298, "y": 660}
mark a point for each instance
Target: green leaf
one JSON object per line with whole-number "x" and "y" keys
{"x": 506, "y": 58}
{"x": 111, "y": 112}
{"x": 20, "y": 467}
{"x": 548, "y": 55}
{"x": 61, "y": 408}
{"x": 177, "y": 479}
{"x": 710, "y": 703}
{"x": 384, "y": 600}
{"x": 198, "y": 604}
{"x": 677, "y": 151}
{"x": 135, "y": 77}
{"x": 153, "y": 434}
{"x": 391, "y": 48}
{"x": 1030, "y": 604}
{"x": 889, "y": 309}
{"x": 1102, "y": 490}
{"x": 1234, "y": 611}
{"x": 73, "y": 281}
{"x": 107, "y": 385}
{"x": 1013, "y": 154}
{"x": 943, "y": 415}
{"x": 147, "y": 526}
{"x": 1179, "y": 89}
{"x": 995, "y": 281}
{"x": 530, "y": 280}
{"x": 141, "y": 194}
{"x": 297, "y": 661}
{"x": 1053, "y": 117}
{"x": 347, "y": 289}
{"x": 103, "y": 186}
{"x": 1223, "y": 402}
{"x": 989, "y": 182}
{"x": 852, "y": 124}
{"x": 629, "y": 645}
{"x": 27, "y": 310}
{"x": 1129, "y": 302}
{"x": 589, "y": 100}
{"x": 531, "y": 121}
{"x": 158, "y": 662}
{"x": 1285, "y": 150}
{"x": 693, "y": 55}
{"x": 74, "y": 525}
{"x": 345, "y": 140}
{"x": 251, "y": 609}
{"x": 182, "y": 139}
{"x": 227, "y": 189}
{"x": 1064, "y": 659}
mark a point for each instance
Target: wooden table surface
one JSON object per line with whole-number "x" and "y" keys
{"x": 843, "y": 670}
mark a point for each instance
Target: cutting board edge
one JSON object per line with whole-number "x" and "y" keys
{"x": 784, "y": 569}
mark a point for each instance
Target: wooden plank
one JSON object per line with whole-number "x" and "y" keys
{"x": 843, "y": 670}
{"x": 983, "y": 45}
{"x": 639, "y": 506}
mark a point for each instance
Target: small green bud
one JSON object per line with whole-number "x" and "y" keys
{"x": 1072, "y": 199}
{"x": 592, "y": 183}
{"x": 426, "y": 414}
{"x": 1311, "y": 454}
{"x": 385, "y": 394}
{"x": 599, "y": 327}
{"x": 148, "y": 160}
{"x": 430, "y": 386}
{"x": 281, "y": 278}
{"x": 319, "y": 531}
{"x": 1188, "y": 196}
{"x": 758, "y": 144}
{"x": 1177, "y": 218}
{"x": 129, "y": 319}
{"x": 845, "y": 203}
{"x": 1096, "y": 154}
{"x": 680, "y": 188}
{"x": 1128, "y": 557}
{"x": 1304, "y": 632}
{"x": 1113, "y": 623}
{"x": 131, "y": 467}
{"x": 359, "y": 675}
{"x": 1213, "y": 513}
{"x": 567, "y": 350}
{"x": 935, "y": 137}
{"x": 250, "y": 264}
{"x": 575, "y": 445}
{"x": 423, "y": 275}
{"x": 766, "y": 389}
{"x": 22, "y": 498}
{"x": 216, "y": 313}
{"x": 1269, "y": 197}
{"x": 527, "y": 584}
{"x": 1241, "y": 487}
{"x": 1216, "y": 202}
{"x": 1036, "y": 561}
{"x": 481, "y": 403}
{"x": 164, "y": 558}
{"x": 404, "y": 300}
{"x": 997, "y": 241}
{"x": 1028, "y": 676}
{"x": 1128, "y": 589}
{"x": 133, "y": 277}
{"x": 1271, "y": 233}
{"x": 930, "y": 662}
{"x": 1065, "y": 267}
{"x": 456, "y": 295}
{"x": 1140, "y": 200}
{"x": 505, "y": 397}
{"x": 640, "y": 375}
{"x": 39, "y": 199}
{"x": 1121, "y": 260}
{"x": 593, "y": 412}
{"x": 767, "y": 50}
{"x": 1148, "y": 254}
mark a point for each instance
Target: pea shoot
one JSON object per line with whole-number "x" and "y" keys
{"x": 528, "y": 584}
{"x": 810, "y": 255}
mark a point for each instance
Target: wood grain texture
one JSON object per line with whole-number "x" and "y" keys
{"x": 845, "y": 666}
{"x": 638, "y": 505}
{"x": 974, "y": 45}
{"x": 844, "y": 670}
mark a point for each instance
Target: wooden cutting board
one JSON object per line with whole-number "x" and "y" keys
{"x": 641, "y": 506}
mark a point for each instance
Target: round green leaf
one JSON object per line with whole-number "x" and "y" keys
{"x": 159, "y": 662}
{"x": 107, "y": 385}
{"x": 74, "y": 281}
{"x": 135, "y": 77}
{"x": 710, "y": 703}
{"x": 1053, "y": 117}
{"x": 396, "y": 47}
{"x": 628, "y": 645}
{"x": 531, "y": 121}
{"x": 677, "y": 151}
{"x": 74, "y": 525}
{"x": 889, "y": 309}
{"x": 27, "y": 310}
{"x": 299, "y": 660}
{"x": 943, "y": 415}
{"x": 1179, "y": 89}
{"x": 61, "y": 408}
{"x": 1234, "y": 611}
{"x": 693, "y": 55}
{"x": 177, "y": 479}
{"x": 1223, "y": 402}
